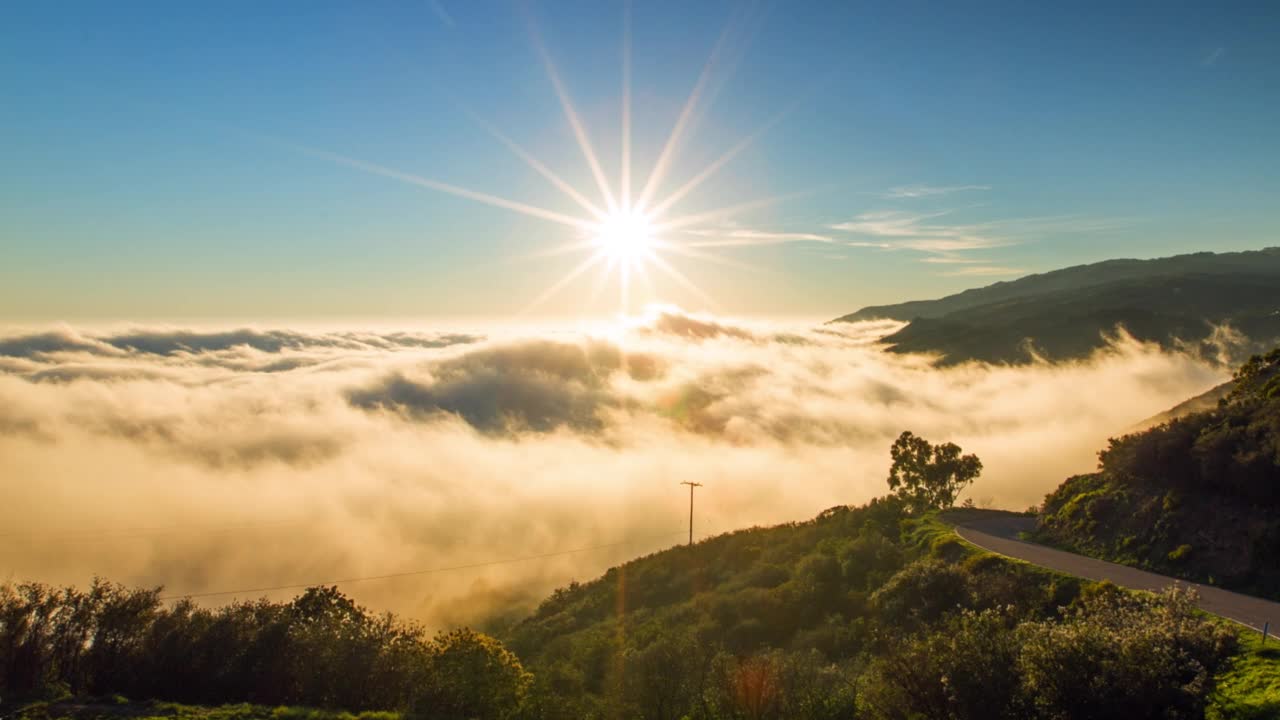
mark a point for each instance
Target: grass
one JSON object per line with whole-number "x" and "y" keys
{"x": 120, "y": 709}
{"x": 1250, "y": 689}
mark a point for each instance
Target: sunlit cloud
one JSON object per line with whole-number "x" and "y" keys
{"x": 731, "y": 237}
{"x": 345, "y": 454}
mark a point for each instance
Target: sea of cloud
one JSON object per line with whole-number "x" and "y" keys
{"x": 244, "y": 459}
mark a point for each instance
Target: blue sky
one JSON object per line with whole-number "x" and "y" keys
{"x": 159, "y": 158}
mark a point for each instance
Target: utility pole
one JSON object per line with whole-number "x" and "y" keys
{"x": 691, "y": 485}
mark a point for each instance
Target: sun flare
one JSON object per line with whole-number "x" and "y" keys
{"x": 626, "y": 238}
{"x": 624, "y": 234}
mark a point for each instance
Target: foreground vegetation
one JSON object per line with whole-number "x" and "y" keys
{"x": 876, "y": 612}
{"x": 860, "y": 613}
{"x": 320, "y": 649}
{"x": 1197, "y": 497}
{"x": 120, "y": 708}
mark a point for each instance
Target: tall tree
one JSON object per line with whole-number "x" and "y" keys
{"x": 928, "y": 476}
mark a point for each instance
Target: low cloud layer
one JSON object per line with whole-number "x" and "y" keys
{"x": 247, "y": 459}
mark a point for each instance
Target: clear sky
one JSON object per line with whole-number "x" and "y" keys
{"x": 255, "y": 160}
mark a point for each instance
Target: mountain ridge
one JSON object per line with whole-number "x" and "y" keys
{"x": 1195, "y": 301}
{"x": 1084, "y": 275}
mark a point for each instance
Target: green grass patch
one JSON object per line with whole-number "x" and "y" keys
{"x": 1250, "y": 689}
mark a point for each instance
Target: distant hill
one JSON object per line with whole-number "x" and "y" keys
{"x": 1197, "y": 497}
{"x": 1203, "y": 402}
{"x": 1066, "y": 313}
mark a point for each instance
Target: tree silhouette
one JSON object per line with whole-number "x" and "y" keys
{"x": 927, "y": 476}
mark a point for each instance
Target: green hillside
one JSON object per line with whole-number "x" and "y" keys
{"x": 1197, "y": 497}
{"x": 1065, "y": 313}
{"x": 866, "y": 613}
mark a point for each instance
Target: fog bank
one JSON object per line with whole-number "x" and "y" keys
{"x": 245, "y": 458}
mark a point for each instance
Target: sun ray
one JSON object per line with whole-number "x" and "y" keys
{"x": 597, "y": 288}
{"x": 624, "y": 285}
{"x": 642, "y": 272}
{"x": 659, "y": 170}
{"x": 571, "y": 114}
{"x": 717, "y": 214}
{"x": 696, "y": 254}
{"x": 531, "y": 210}
{"x": 582, "y": 267}
{"x": 684, "y": 281}
{"x": 564, "y": 249}
{"x": 720, "y": 162}
{"x": 625, "y": 180}
{"x": 542, "y": 169}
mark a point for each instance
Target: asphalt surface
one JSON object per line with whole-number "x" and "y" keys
{"x": 999, "y": 534}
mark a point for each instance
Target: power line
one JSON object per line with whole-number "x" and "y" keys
{"x": 344, "y": 581}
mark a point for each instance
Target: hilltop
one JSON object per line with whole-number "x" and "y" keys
{"x": 1194, "y": 497}
{"x": 1174, "y": 301}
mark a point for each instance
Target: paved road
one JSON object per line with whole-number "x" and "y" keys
{"x": 999, "y": 535}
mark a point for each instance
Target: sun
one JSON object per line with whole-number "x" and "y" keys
{"x": 624, "y": 234}
{"x": 626, "y": 238}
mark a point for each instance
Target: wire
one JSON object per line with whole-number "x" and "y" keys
{"x": 295, "y": 586}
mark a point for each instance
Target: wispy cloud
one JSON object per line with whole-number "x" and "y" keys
{"x": 915, "y": 231}
{"x": 731, "y": 237}
{"x": 923, "y": 232}
{"x": 441, "y": 13}
{"x": 1212, "y": 57}
{"x": 919, "y": 191}
{"x": 983, "y": 271}
{"x": 940, "y": 242}
{"x": 949, "y": 260}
